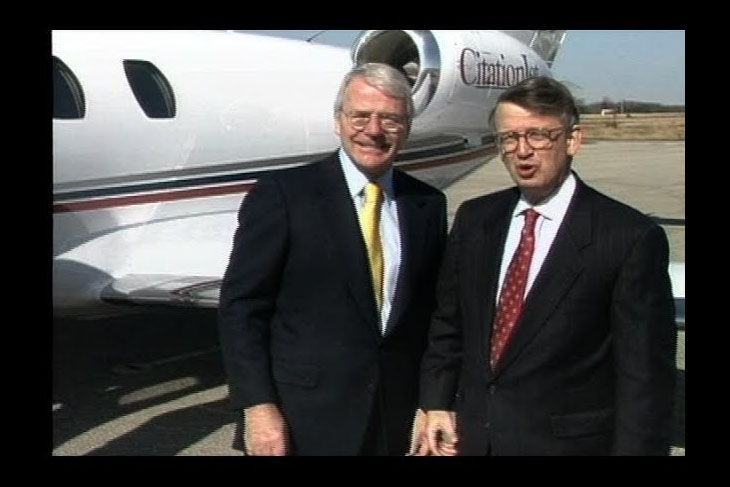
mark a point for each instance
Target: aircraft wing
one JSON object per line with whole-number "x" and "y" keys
{"x": 163, "y": 289}
{"x": 676, "y": 273}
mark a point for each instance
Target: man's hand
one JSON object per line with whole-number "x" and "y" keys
{"x": 441, "y": 433}
{"x": 419, "y": 443}
{"x": 265, "y": 431}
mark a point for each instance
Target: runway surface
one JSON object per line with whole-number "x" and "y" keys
{"x": 153, "y": 383}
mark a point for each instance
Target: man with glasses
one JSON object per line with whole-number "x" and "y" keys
{"x": 554, "y": 331}
{"x": 327, "y": 297}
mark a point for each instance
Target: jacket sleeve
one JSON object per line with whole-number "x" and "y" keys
{"x": 249, "y": 292}
{"x": 642, "y": 319}
{"x": 441, "y": 363}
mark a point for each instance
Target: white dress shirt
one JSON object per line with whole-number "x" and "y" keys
{"x": 389, "y": 229}
{"x": 552, "y": 211}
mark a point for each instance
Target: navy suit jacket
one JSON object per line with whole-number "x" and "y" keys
{"x": 590, "y": 369}
{"x": 298, "y": 319}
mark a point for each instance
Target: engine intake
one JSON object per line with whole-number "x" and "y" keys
{"x": 413, "y": 52}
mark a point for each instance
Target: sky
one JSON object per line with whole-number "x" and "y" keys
{"x": 637, "y": 65}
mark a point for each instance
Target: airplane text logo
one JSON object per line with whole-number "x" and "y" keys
{"x": 477, "y": 70}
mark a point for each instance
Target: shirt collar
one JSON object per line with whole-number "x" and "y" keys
{"x": 555, "y": 205}
{"x": 356, "y": 180}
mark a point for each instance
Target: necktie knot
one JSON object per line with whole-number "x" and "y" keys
{"x": 373, "y": 194}
{"x": 530, "y": 220}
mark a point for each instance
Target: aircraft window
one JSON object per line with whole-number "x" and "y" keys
{"x": 151, "y": 88}
{"x": 68, "y": 97}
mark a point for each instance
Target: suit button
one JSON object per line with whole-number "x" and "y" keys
{"x": 492, "y": 389}
{"x": 487, "y": 425}
{"x": 371, "y": 386}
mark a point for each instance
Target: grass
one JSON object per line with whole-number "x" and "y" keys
{"x": 638, "y": 126}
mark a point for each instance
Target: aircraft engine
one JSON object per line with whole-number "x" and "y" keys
{"x": 456, "y": 75}
{"x": 415, "y": 53}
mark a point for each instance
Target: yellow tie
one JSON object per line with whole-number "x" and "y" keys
{"x": 370, "y": 223}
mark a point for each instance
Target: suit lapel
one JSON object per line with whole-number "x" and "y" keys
{"x": 562, "y": 266}
{"x": 341, "y": 226}
{"x": 412, "y": 223}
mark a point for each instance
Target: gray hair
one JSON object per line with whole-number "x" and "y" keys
{"x": 383, "y": 77}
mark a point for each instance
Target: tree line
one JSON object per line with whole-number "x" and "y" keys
{"x": 626, "y": 106}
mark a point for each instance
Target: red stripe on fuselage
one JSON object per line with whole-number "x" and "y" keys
{"x": 449, "y": 160}
{"x": 151, "y": 198}
{"x": 156, "y": 197}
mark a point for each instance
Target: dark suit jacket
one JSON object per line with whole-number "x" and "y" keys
{"x": 590, "y": 369}
{"x": 297, "y": 316}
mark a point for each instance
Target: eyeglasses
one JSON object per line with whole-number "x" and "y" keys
{"x": 535, "y": 138}
{"x": 389, "y": 122}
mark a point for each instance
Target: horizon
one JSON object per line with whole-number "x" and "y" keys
{"x": 631, "y": 65}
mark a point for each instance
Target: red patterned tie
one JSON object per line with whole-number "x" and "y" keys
{"x": 509, "y": 310}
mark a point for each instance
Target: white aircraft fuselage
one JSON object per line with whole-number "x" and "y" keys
{"x": 157, "y": 137}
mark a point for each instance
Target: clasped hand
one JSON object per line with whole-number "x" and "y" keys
{"x": 434, "y": 434}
